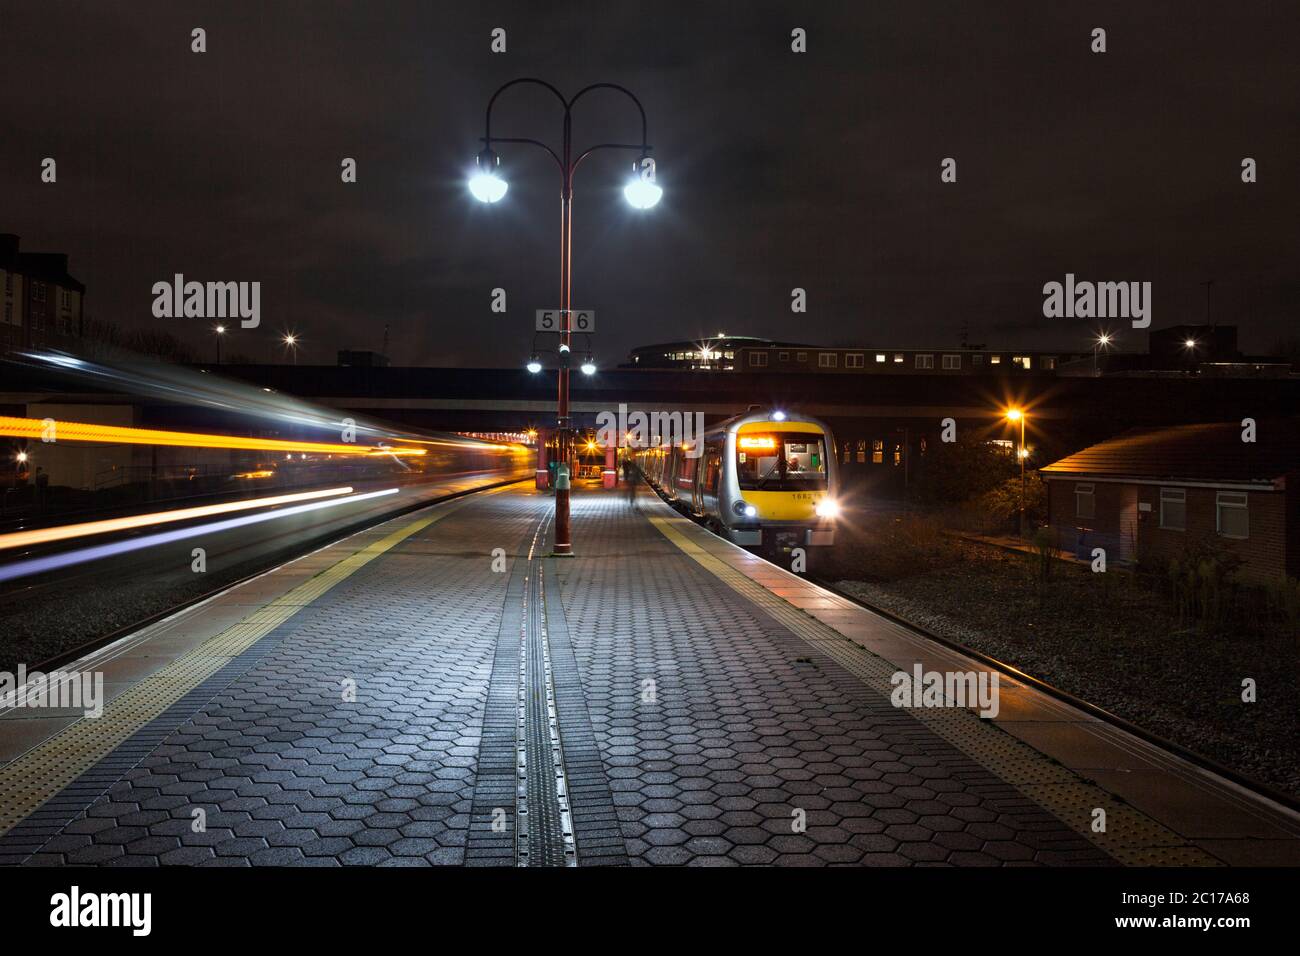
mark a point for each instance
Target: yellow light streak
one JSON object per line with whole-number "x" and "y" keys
{"x": 121, "y": 435}
{"x": 19, "y": 539}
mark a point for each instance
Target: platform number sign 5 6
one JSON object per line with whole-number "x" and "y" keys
{"x": 580, "y": 320}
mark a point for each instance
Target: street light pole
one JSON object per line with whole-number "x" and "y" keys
{"x": 492, "y": 189}
{"x": 1022, "y": 474}
{"x": 1018, "y": 415}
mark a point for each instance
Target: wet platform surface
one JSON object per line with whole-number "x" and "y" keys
{"x": 438, "y": 690}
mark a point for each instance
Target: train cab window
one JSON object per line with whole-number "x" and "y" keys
{"x": 790, "y": 461}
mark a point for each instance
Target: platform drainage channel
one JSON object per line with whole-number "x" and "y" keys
{"x": 544, "y": 834}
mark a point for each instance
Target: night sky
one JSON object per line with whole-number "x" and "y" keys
{"x": 818, "y": 170}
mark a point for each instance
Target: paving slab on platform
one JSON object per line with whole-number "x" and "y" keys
{"x": 713, "y": 709}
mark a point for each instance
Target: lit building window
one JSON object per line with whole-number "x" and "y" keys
{"x": 1085, "y": 502}
{"x": 1173, "y": 509}
{"x": 1232, "y": 519}
{"x": 898, "y": 358}
{"x": 880, "y": 356}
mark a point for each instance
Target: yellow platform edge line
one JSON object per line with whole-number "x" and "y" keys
{"x": 1132, "y": 838}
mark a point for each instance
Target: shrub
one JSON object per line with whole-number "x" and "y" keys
{"x": 962, "y": 470}
{"x": 1002, "y": 502}
{"x": 1043, "y": 542}
{"x": 1202, "y": 581}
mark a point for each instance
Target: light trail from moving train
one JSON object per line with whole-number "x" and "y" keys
{"x": 43, "y": 429}
{"x": 116, "y": 548}
{"x": 38, "y": 536}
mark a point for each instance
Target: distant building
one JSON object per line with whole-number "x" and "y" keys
{"x": 360, "y": 358}
{"x": 717, "y": 353}
{"x": 1152, "y": 491}
{"x": 1182, "y": 350}
{"x": 862, "y": 360}
{"x": 742, "y": 353}
{"x": 41, "y": 304}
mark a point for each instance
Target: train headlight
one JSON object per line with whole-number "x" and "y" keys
{"x": 828, "y": 508}
{"x": 744, "y": 509}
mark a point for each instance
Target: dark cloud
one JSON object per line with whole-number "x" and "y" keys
{"x": 819, "y": 171}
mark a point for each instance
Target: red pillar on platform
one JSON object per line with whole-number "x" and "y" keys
{"x": 543, "y": 472}
{"x": 609, "y": 477}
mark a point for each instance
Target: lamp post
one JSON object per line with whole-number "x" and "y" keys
{"x": 219, "y": 331}
{"x": 1102, "y": 341}
{"x": 291, "y": 343}
{"x": 1016, "y": 415}
{"x": 641, "y": 191}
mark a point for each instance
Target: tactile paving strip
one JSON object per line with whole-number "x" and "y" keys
{"x": 38, "y": 775}
{"x": 1131, "y": 837}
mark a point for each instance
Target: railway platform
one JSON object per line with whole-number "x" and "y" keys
{"x": 438, "y": 690}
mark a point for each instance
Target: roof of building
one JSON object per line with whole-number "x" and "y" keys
{"x": 712, "y": 341}
{"x": 49, "y": 266}
{"x": 1203, "y": 452}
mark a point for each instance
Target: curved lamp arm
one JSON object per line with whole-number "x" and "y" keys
{"x": 488, "y": 139}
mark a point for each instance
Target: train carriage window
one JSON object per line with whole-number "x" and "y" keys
{"x": 862, "y": 451}
{"x": 712, "y": 469}
{"x": 877, "y": 452}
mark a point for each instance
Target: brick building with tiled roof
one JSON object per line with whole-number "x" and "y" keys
{"x": 1151, "y": 491}
{"x": 40, "y": 303}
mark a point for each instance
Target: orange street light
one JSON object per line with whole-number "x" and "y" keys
{"x": 1017, "y": 415}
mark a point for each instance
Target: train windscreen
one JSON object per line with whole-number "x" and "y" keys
{"x": 791, "y": 461}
